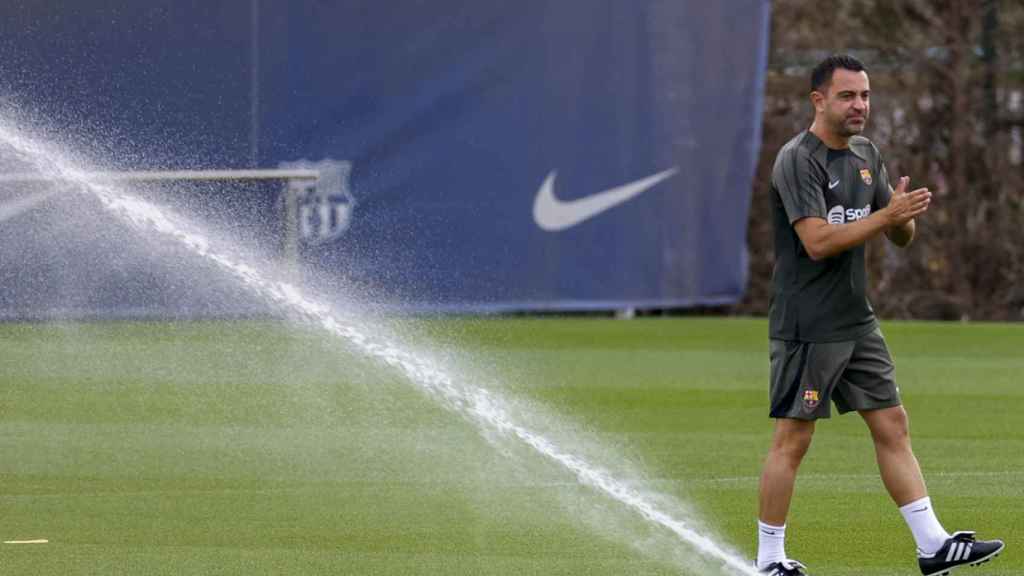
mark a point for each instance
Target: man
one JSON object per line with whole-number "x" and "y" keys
{"x": 831, "y": 195}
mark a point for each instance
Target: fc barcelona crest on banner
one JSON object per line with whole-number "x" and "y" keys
{"x": 865, "y": 175}
{"x": 325, "y": 207}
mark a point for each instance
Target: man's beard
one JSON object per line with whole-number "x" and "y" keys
{"x": 845, "y": 129}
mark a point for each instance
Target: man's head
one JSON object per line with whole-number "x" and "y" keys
{"x": 840, "y": 94}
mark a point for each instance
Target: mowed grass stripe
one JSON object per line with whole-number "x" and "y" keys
{"x": 254, "y": 447}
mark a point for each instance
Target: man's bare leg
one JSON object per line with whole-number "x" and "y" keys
{"x": 897, "y": 464}
{"x": 790, "y": 442}
{"x": 902, "y": 476}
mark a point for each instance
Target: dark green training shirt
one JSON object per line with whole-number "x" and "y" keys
{"x": 823, "y": 301}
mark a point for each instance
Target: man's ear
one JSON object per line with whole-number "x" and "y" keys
{"x": 818, "y": 101}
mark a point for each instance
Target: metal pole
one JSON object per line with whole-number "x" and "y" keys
{"x": 163, "y": 175}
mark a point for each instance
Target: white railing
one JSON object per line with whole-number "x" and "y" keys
{"x": 291, "y": 235}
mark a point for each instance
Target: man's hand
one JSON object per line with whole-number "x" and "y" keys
{"x": 904, "y": 206}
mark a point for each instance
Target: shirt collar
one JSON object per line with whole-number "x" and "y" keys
{"x": 820, "y": 149}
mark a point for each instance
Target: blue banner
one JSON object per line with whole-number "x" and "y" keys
{"x": 476, "y": 156}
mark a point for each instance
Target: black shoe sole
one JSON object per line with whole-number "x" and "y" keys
{"x": 978, "y": 562}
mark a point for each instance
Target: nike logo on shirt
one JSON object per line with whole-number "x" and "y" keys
{"x": 552, "y": 214}
{"x": 832, "y": 185}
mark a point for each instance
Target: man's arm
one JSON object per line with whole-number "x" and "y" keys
{"x": 823, "y": 240}
{"x": 903, "y": 235}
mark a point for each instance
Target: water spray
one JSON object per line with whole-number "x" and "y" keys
{"x": 479, "y": 406}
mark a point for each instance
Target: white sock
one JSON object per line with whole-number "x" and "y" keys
{"x": 771, "y": 544}
{"x": 928, "y": 533}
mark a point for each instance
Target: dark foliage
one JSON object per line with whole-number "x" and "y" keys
{"x": 947, "y": 81}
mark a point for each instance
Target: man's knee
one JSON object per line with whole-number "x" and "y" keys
{"x": 889, "y": 427}
{"x": 792, "y": 438}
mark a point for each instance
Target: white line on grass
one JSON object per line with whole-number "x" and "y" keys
{"x": 860, "y": 476}
{"x": 503, "y": 485}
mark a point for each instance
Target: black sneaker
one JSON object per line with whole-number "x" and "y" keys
{"x": 961, "y": 548}
{"x": 785, "y": 568}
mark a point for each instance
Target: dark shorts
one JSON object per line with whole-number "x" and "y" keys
{"x": 855, "y": 375}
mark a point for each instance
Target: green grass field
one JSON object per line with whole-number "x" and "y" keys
{"x": 256, "y": 448}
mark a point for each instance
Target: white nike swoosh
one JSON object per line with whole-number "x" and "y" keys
{"x": 552, "y": 214}
{"x": 832, "y": 185}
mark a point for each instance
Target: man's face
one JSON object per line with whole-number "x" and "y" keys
{"x": 845, "y": 105}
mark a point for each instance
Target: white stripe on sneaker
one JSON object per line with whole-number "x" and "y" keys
{"x": 960, "y": 551}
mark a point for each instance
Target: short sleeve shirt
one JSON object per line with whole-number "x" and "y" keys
{"x": 825, "y": 300}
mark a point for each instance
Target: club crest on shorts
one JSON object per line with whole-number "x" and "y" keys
{"x": 811, "y": 399}
{"x": 865, "y": 175}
